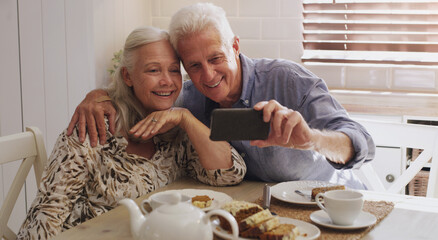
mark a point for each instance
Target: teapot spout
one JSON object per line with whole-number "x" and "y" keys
{"x": 136, "y": 217}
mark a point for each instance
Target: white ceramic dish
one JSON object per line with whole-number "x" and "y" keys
{"x": 219, "y": 198}
{"x": 285, "y": 191}
{"x": 308, "y": 231}
{"x": 365, "y": 219}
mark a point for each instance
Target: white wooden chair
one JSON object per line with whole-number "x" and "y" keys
{"x": 388, "y": 134}
{"x": 29, "y": 148}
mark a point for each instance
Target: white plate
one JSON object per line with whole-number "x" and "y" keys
{"x": 307, "y": 231}
{"x": 219, "y": 198}
{"x": 365, "y": 219}
{"x": 285, "y": 191}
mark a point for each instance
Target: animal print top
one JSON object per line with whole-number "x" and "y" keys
{"x": 81, "y": 182}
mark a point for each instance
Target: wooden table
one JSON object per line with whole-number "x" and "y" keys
{"x": 412, "y": 217}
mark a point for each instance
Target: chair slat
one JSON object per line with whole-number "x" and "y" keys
{"x": 17, "y": 146}
{"x": 411, "y": 171}
{"x": 404, "y": 136}
{"x": 432, "y": 185}
{"x": 27, "y": 147}
{"x": 14, "y": 191}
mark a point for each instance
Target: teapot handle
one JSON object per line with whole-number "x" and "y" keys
{"x": 142, "y": 206}
{"x": 228, "y": 217}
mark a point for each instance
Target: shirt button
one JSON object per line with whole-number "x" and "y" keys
{"x": 242, "y": 154}
{"x": 246, "y": 101}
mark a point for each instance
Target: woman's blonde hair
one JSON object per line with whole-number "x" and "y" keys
{"x": 128, "y": 107}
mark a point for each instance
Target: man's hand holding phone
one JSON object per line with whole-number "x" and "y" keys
{"x": 288, "y": 127}
{"x": 268, "y": 124}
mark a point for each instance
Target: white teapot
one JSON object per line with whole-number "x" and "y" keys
{"x": 176, "y": 220}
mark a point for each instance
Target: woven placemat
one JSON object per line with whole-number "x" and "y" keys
{"x": 379, "y": 209}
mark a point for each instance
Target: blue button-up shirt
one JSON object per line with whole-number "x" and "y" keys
{"x": 296, "y": 88}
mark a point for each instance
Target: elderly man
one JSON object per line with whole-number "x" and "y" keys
{"x": 311, "y": 138}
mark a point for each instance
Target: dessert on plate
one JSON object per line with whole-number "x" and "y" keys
{"x": 282, "y": 232}
{"x": 240, "y": 210}
{"x": 317, "y": 190}
{"x": 201, "y": 201}
{"x": 265, "y": 223}
{"x": 254, "y": 222}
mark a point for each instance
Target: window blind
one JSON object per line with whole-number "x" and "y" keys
{"x": 371, "y": 31}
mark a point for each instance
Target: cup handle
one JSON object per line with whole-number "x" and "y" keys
{"x": 318, "y": 201}
{"x": 143, "y": 209}
{"x": 228, "y": 217}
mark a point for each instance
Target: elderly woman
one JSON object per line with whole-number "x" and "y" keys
{"x": 155, "y": 144}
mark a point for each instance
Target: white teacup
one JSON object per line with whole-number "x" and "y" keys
{"x": 342, "y": 206}
{"x": 159, "y": 199}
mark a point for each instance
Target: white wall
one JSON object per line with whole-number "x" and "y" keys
{"x": 10, "y": 98}
{"x": 52, "y": 53}
{"x": 113, "y": 21}
{"x": 267, "y": 28}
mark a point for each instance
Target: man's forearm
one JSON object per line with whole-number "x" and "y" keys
{"x": 98, "y": 95}
{"x": 335, "y": 146}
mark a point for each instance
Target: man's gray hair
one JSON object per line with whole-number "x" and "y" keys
{"x": 196, "y": 18}
{"x": 128, "y": 107}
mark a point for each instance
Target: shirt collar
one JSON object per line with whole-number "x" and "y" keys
{"x": 248, "y": 77}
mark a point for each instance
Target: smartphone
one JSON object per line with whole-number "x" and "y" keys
{"x": 233, "y": 124}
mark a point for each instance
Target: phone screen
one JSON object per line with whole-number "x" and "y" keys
{"x": 232, "y": 124}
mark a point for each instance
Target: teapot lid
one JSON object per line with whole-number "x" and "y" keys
{"x": 175, "y": 206}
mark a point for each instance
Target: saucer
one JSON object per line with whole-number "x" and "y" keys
{"x": 365, "y": 219}
{"x": 285, "y": 191}
{"x": 218, "y": 198}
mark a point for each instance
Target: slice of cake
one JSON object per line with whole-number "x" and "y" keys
{"x": 282, "y": 232}
{"x": 240, "y": 210}
{"x": 202, "y": 201}
{"x": 254, "y": 220}
{"x": 315, "y": 191}
{"x": 259, "y": 229}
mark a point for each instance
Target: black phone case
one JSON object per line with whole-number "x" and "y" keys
{"x": 231, "y": 124}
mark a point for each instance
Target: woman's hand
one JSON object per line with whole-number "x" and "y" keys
{"x": 158, "y": 122}
{"x": 212, "y": 154}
